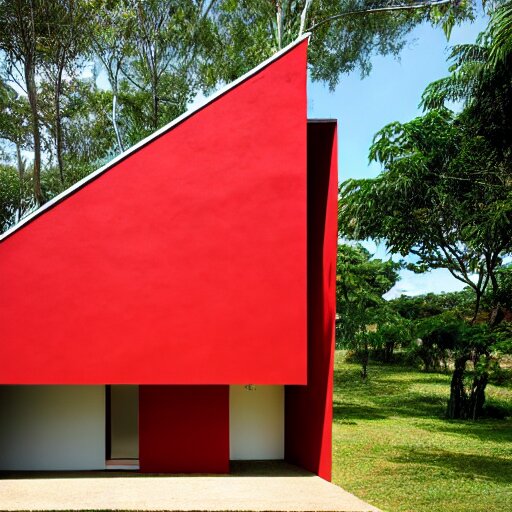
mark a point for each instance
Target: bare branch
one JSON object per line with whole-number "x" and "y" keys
{"x": 408, "y": 7}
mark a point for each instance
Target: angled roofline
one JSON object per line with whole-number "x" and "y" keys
{"x": 98, "y": 172}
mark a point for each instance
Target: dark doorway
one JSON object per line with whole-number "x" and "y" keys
{"x": 122, "y": 426}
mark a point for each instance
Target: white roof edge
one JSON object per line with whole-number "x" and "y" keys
{"x": 79, "y": 184}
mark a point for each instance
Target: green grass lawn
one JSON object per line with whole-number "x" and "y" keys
{"x": 393, "y": 448}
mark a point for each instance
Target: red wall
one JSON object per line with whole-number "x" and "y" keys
{"x": 184, "y": 429}
{"x": 308, "y": 415}
{"x": 185, "y": 263}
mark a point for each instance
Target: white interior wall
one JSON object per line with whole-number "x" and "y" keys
{"x": 256, "y": 423}
{"x": 124, "y": 422}
{"x": 52, "y": 427}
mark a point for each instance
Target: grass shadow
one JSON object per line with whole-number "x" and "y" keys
{"x": 483, "y": 430}
{"x": 349, "y": 413}
{"x": 461, "y": 465}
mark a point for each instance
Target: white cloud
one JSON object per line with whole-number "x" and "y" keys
{"x": 435, "y": 281}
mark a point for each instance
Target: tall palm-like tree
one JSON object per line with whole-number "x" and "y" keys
{"x": 476, "y": 67}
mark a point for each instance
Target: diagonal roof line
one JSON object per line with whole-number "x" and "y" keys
{"x": 90, "y": 177}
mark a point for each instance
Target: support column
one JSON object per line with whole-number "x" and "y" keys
{"x": 308, "y": 416}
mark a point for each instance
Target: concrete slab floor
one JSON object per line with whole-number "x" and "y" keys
{"x": 265, "y": 486}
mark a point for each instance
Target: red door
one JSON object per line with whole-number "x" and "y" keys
{"x": 184, "y": 429}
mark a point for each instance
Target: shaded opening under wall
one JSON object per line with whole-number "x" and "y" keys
{"x": 97, "y": 427}
{"x": 122, "y": 426}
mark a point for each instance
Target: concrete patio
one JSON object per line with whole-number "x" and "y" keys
{"x": 273, "y": 486}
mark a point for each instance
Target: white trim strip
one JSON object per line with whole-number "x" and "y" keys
{"x": 149, "y": 138}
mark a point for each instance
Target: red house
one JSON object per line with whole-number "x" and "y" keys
{"x": 175, "y": 310}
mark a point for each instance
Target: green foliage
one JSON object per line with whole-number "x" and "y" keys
{"x": 500, "y": 35}
{"x": 481, "y": 78}
{"x": 158, "y": 55}
{"x": 160, "y": 64}
{"x": 443, "y": 198}
{"x": 345, "y": 33}
{"x": 438, "y": 336}
{"x": 52, "y": 184}
{"x": 391, "y": 333}
{"x": 361, "y": 281}
{"x": 431, "y": 304}
{"x": 441, "y": 331}
{"x": 14, "y": 117}
{"x": 15, "y": 196}
{"x": 476, "y": 67}
{"x": 88, "y": 137}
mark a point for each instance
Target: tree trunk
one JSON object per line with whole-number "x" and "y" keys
{"x": 58, "y": 124}
{"x": 21, "y": 163}
{"x": 279, "y": 22}
{"x": 32, "y": 98}
{"x": 155, "y": 109}
{"x": 154, "y": 88}
{"x": 458, "y": 397}
{"x": 114, "y": 119}
{"x": 388, "y": 351}
{"x": 477, "y": 306}
{"x": 477, "y": 398}
{"x": 365, "y": 356}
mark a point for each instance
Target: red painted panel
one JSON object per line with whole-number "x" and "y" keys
{"x": 308, "y": 416}
{"x": 184, "y": 429}
{"x": 184, "y": 263}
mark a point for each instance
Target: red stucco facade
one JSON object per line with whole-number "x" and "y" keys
{"x": 147, "y": 274}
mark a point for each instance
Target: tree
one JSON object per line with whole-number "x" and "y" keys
{"x": 431, "y": 304}
{"x": 477, "y": 68}
{"x": 445, "y": 198}
{"x": 442, "y": 198}
{"x": 111, "y": 22}
{"x": 361, "y": 281}
{"x": 345, "y": 33}
{"x": 438, "y": 337}
{"x": 89, "y": 137}
{"x": 64, "y": 43}
{"x": 392, "y": 332}
{"x": 22, "y": 29}
{"x": 164, "y": 38}
{"x": 481, "y": 78}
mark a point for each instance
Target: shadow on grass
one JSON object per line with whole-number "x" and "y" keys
{"x": 348, "y": 413}
{"x": 430, "y": 378}
{"x": 389, "y": 391}
{"x": 467, "y": 466}
{"x": 392, "y": 392}
{"x": 413, "y": 405}
{"x": 483, "y": 430}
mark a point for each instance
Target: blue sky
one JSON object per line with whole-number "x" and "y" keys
{"x": 391, "y": 93}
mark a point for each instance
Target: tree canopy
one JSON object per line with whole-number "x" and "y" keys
{"x": 444, "y": 196}
{"x": 156, "y": 56}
